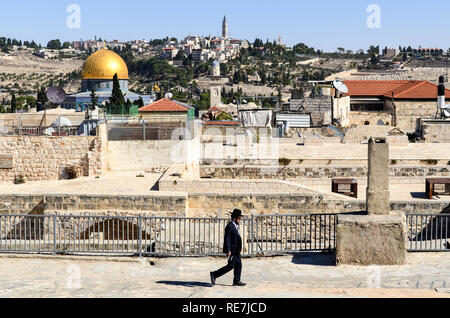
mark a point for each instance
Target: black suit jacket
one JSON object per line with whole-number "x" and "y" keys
{"x": 232, "y": 241}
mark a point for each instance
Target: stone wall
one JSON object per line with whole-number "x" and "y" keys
{"x": 218, "y": 205}
{"x": 161, "y": 204}
{"x": 409, "y": 112}
{"x": 230, "y": 186}
{"x": 360, "y": 118}
{"x": 41, "y": 157}
{"x": 436, "y": 132}
{"x": 319, "y": 108}
{"x": 139, "y": 155}
{"x": 315, "y": 172}
{"x": 197, "y": 205}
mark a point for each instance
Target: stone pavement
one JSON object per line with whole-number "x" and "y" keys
{"x": 113, "y": 183}
{"x": 299, "y": 276}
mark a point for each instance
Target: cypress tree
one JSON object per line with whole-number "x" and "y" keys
{"x": 127, "y": 107}
{"x": 140, "y": 102}
{"x": 94, "y": 99}
{"x": 13, "y": 103}
{"x": 116, "y": 100}
{"x": 41, "y": 99}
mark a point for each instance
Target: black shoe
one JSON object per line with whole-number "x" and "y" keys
{"x": 240, "y": 284}
{"x": 213, "y": 278}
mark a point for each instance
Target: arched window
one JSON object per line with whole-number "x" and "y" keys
{"x": 366, "y": 123}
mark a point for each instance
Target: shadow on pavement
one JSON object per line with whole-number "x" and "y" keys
{"x": 419, "y": 195}
{"x": 314, "y": 258}
{"x": 185, "y": 284}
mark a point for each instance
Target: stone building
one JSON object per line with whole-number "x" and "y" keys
{"x": 166, "y": 110}
{"x": 396, "y": 103}
{"x": 319, "y": 109}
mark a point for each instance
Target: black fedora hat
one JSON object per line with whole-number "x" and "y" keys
{"x": 236, "y": 213}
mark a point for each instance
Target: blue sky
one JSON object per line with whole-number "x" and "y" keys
{"x": 324, "y": 24}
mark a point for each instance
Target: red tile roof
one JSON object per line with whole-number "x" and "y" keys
{"x": 214, "y": 109}
{"x": 164, "y": 105}
{"x": 400, "y": 89}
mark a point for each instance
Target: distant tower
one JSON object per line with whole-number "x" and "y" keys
{"x": 225, "y": 27}
{"x": 280, "y": 40}
{"x": 216, "y": 69}
{"x": 216, "y": 96}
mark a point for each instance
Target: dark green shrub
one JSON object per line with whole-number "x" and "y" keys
{"x": 430, "y": 162}
{"x": 19, "y": 180}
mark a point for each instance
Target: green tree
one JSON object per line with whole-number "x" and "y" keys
{"x": 404, "y": 57}
{"x": 116, "y": 100}
{"x": 298, "y": 93}
{"x": 140, "y": 102}
{"x": 94, "y": 99}
{"x": 13, "y": 108}
{"x": 224, "y": 117}
{"x": 54, "y": 45}
{"x": 127, "y": 107}
{"x": 42, "y": 99}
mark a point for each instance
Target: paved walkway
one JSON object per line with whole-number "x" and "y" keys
{"x": 114, "y": 183}
{"x": 307, "y": 275}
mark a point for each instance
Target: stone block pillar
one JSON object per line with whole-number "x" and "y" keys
{"x": 379, "y": 238}
{"x": 102, "y": 135}
{"x": 378, "y": 195}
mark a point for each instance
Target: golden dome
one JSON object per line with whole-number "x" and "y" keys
{"x": 103, "y": 64}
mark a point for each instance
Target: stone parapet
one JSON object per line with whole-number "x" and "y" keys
{"x": 316, "y": 172}
{"x": 69, "y": 203}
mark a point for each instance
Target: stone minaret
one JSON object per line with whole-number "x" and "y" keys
{"x": 225, "y": 27}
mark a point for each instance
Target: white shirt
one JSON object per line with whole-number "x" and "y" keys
{"x": 237, "y": 227}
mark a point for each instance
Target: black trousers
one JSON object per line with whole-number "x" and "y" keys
{"x": 234, "y": 262}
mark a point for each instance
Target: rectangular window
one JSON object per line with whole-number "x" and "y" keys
{"x": 367, "y": 108}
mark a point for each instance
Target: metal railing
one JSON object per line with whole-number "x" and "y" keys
{"x": 428, "y": 233}
{"x": 40, "y": 131}
{"x": 176, "y": 236}
{"x": 163, "y": 236}
{"x": 290, "y": 233}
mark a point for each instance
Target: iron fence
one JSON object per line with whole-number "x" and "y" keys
{"x": 148, "y": 131}
{"x": 162, "y": 236}
{"x": 40, "y": 131}
{"x": 428, "y": 233}
{"x": 176, "y": 236}
{"x": 291, "y": 233}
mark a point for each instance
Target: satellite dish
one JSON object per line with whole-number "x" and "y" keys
{"x": 335, "y": 132}
{"x": 61, "y": 122}
{"x": 168, "y": 95}
{"x": 56, "y": 95}
{"x": 340, "y": 86}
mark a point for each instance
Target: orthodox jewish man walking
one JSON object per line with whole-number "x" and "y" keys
{"x": 232, "y": 247}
